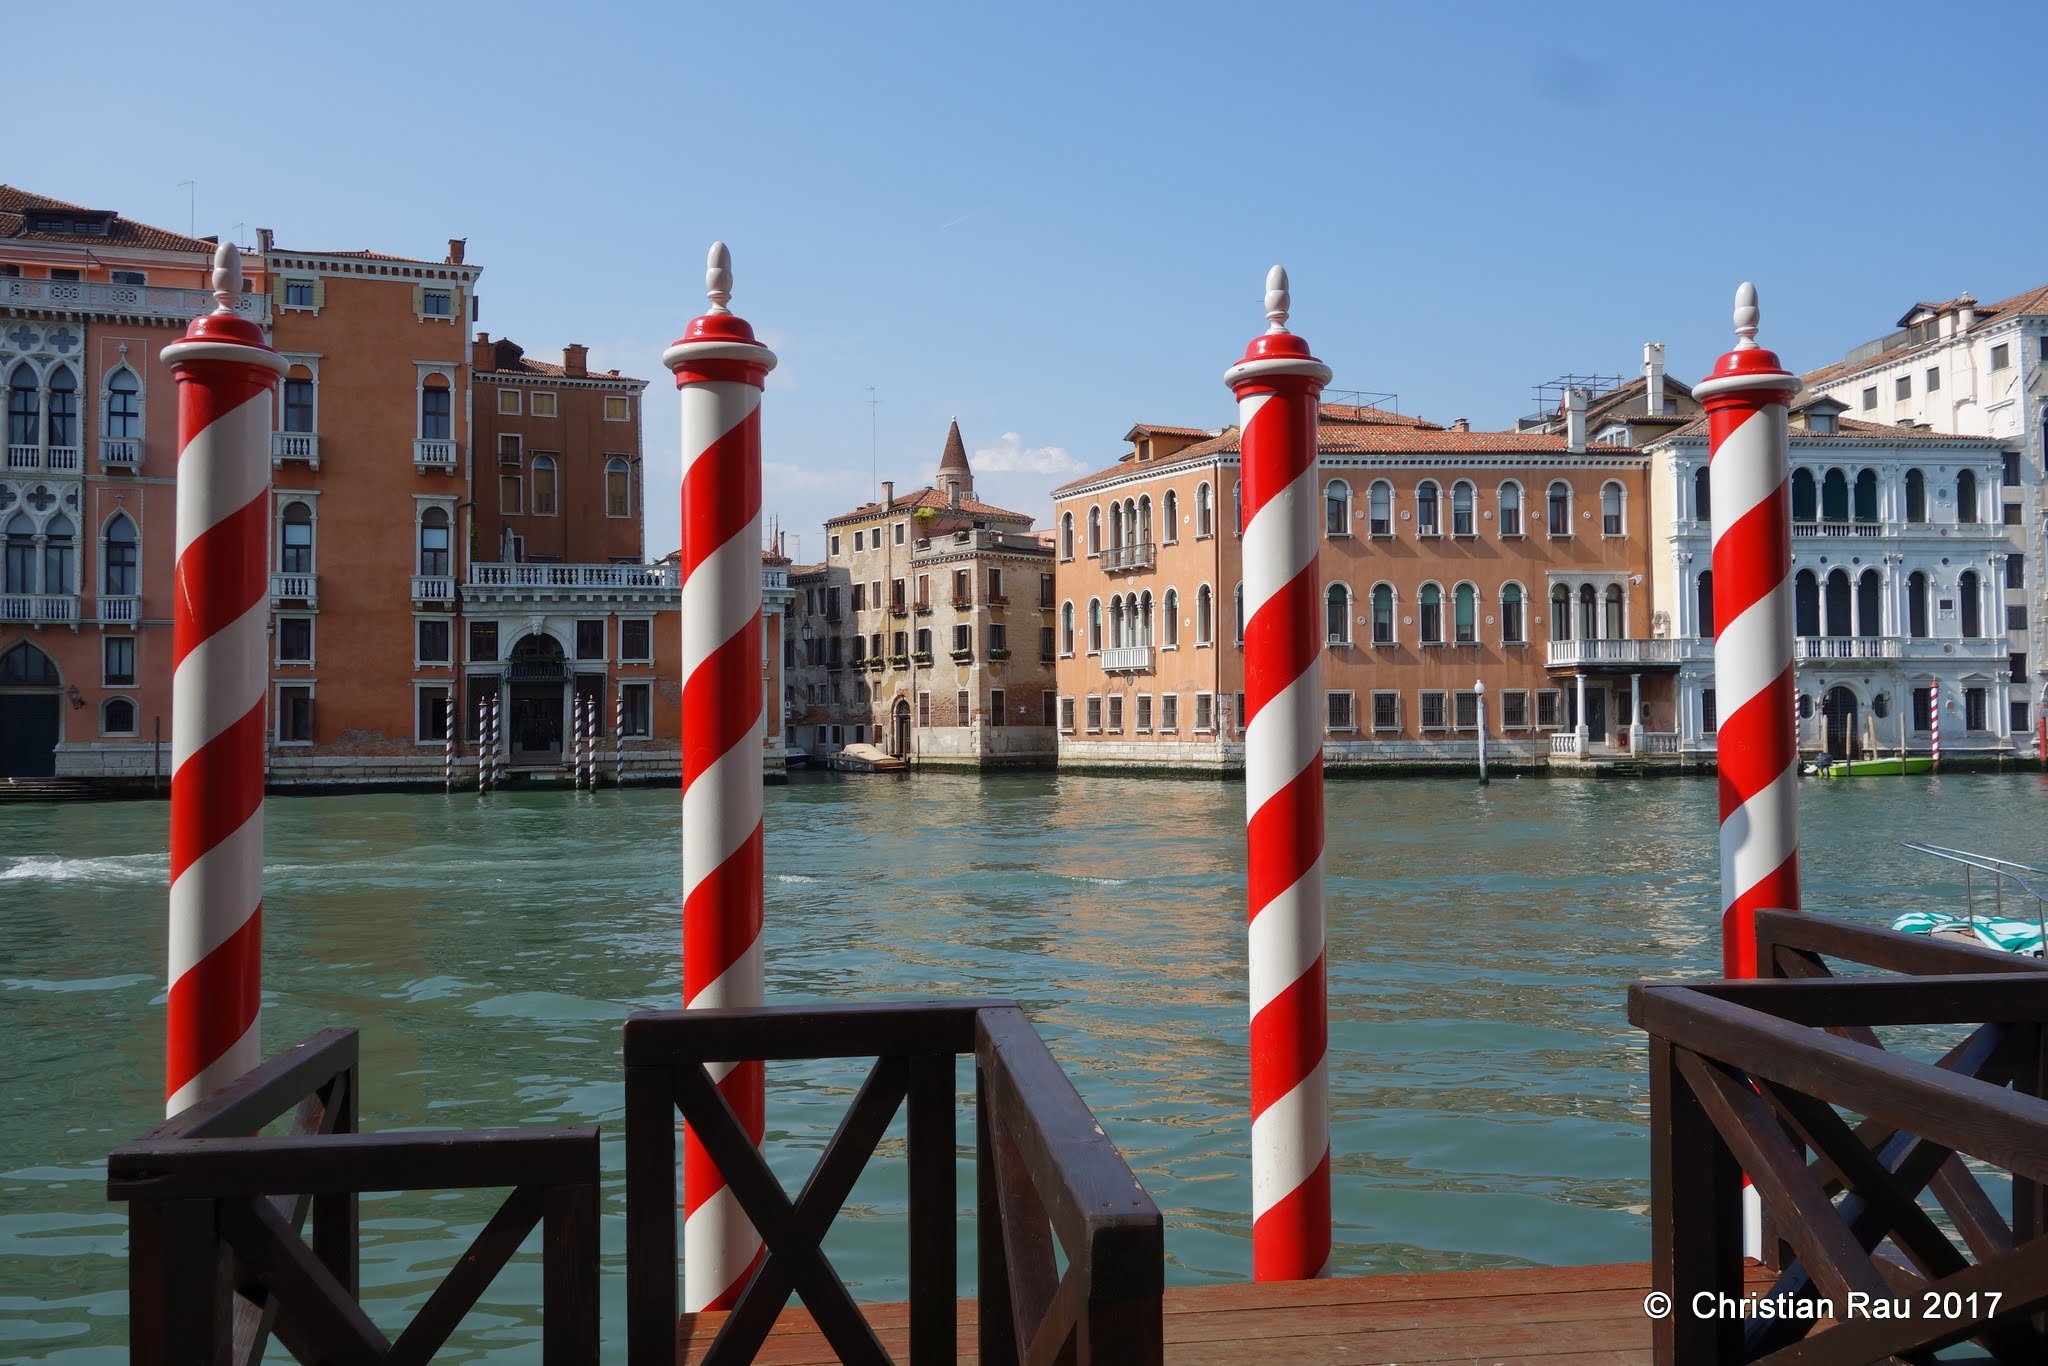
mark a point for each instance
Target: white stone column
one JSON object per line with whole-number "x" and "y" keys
{"x": 1635, "y": 713}
{"x": 1581, "y": 730}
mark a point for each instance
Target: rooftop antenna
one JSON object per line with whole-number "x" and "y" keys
{"x": 191, "y": 189}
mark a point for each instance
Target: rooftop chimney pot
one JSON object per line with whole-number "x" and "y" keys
{"x": 456, "y": 246}
{"x": 1461, "y": 424}
{"x": 1653, "y": 378}
{"x": 264, "y": 238}
{"x": 1575, "y": 419}
{"x": 576, "y": 358}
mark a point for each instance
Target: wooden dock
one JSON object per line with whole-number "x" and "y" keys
{"x": 1571, "y": 1316}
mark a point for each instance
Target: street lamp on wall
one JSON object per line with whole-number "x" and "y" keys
{"x": 1479, "y": 693}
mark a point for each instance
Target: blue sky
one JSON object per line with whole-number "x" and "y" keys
{"x": 1054, "y": 221}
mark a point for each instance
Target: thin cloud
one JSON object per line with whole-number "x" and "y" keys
{"x": 786, "y": 478}
{"x": 1014, "y": 457}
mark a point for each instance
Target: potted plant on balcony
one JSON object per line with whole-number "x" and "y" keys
{"x": 922, "y": 658}
{"x": 963, "y": 656}
{"x": 999, "y": 652}
{"x": 899, "y": 661}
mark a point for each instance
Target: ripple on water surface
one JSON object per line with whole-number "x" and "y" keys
{"x": 1487, "y": 1095}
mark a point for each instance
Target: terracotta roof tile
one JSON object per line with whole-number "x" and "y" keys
{"x": 937, "y": 500}
{"x": 362, "y": 256}
{"x": 1158, "y": 429}
{"x": 17, "y": 204}
{"x": 526, "y": 365}
{"x": 1368, "y": 415}
{"x": 1849, "y": 429}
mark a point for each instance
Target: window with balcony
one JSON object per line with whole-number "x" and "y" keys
{"x": 1383, "y": 614}
{"x": 1095, "y": 531}
{"x": 433, "y": 645}
{"x": 1834, "y": 496}
{"x": 1615, "y": 625}
{"x": 1514, "y": 629}
{"x": 1337, "y": 508}
{"x": 24, "y": 408}
{"x": 117, "y": 661}
{"x": 63, "y": 414}
{"x": 437, "y": 409}
{"x": 544, "y": 485}
{"x": 295, "y": 640}
{"x": 119, "y": 573}
{"x": 434, "y": 542}
{"x": 1805, "y": 496}
{"x": 1426, "y": 523}
{"x": 590, "y": 639}
{"x": 124, "y": 406}
{"x": 297, "y": 412}
{"x": 1560, "y": 612}
{"x": 1916, "y": 496}
{"x": 59, "y": 556}
{"x": 1863, "y": 503}
{"x": 618, "y": 489}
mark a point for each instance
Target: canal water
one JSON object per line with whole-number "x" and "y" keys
{"x": 1488, "y": 1095}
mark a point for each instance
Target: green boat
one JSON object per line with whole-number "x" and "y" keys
{"x": 1825, "y": 767}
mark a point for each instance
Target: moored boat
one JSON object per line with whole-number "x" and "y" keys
{"x": 1897, "y": 764}
{"x": 867, "y": 759}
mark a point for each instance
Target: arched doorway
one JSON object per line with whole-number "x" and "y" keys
{"x": 31, "y": 713}
{"x": 537, "y": 678}
{"x": 900, "y": 732}
{"x": 1839, "y": 707}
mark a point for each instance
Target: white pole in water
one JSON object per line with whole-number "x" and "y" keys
{"x": 619, "y": 738}
{"x": 1479, "y": 688}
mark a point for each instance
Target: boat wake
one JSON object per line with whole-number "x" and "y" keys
{"x": 114, "y": 868}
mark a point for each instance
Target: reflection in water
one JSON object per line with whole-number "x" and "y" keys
{"x": 1487, "y": 1091}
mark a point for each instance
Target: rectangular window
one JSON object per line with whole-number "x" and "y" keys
{"x": 899, "y": 533}
{"x": 859, "y": 540}
{"x": 860, "y": 594}
{"x": 896, "y": 602}
{"x": 298, "y": 405}
{"x": 117, "y": 662}
{"x": 543, "y": 405}
{"x": 963, "y": 710}
{"x": 1067, "y": 715}
{"x": 2017, "y": 663}
{"x": 508, "y": 402}
{"x": 998, "y": 640}
{"x": 1045, "y": 590}
{"x": 298, "y": 294}
{"x": 1433, "y": 714}
{"x": 1045, "y": 644}
{"x": 2015, "y": 571}
{"x": 1973, "y": 709}
{"x": 963, "y": 639}
{"x": 1205, "y": 712}
{"x": 963, "y": 588}
{"x": 1870, "y": 398}
{"x": 2017, "y": 715}
{"x": 995, "y": 586}
{"x": 1048, "y": 708}
{"x": 437, "y": 303}
{"x": 295, "y": 640}
{"x": 1923, "y": 708}
{"x": 835, "y": 543}
{"x": 1933, "y": 381}
{"x": 2001, "y": 357}
{"x": 128, "y": 277}
{"x": 1237, "y": 711}
{"x": 295, "y": 716}
{"x": 924, "y": 709}
{"x": 590, "y": 639}
{"x": 1546, "y": 709}
{"x": 1709, "y": 719}
{"x": 1902, "y": 387}
{"x": 483, "y": 642}
{"x": 2011, "y": 477}
{"x": 1143, "y": 720}
{"x": 638, "y": 720}
{"x": 431, "y": 705}
{"x": 1386, "y": 711}
{"x": 65, "y": 273}
{"x": 433, "y": 642}
{"x": 1465, "y": 711}
{"x": 636, "y": 640}
{"x": 997, "y": 706}
{"x": 618, "y": 409}
{"x": 1094, "y": 714}
{"x": 2015, "y": 616}
{"x": 2012, "y": 514}
{"x": 437, "y": 413}
{"x": 508, "y": 495}
{"x": 508, "y": 448}
{"x": 1338, "y": 707}
{"x": 1116, "y": 714}
{"x": 1514, "y": 709}
{"x": 1169, "y": 712}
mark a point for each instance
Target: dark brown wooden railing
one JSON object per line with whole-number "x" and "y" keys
{"x": 1753, "y": 1077}
{"x": 1045, "y": 1175}
{"x": 216, "y": 1263}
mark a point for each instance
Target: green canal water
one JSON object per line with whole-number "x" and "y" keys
{"x": 1489, "y": 1098}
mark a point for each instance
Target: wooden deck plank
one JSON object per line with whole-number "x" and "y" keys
{"x": 1552, "y": 1316}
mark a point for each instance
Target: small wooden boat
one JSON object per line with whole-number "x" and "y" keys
{"x": 1825, "y": 767}
{"x": 867, "y": 759}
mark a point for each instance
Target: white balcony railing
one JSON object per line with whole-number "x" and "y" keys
{"x": 1657, "y": 742}
{"x": 1850, "y": 647}
{"x": 1833, "y": 528}
{"x": 1126, "y": 658}
{"x": 39, "y": 607}
{"x": 122, "y": 301}
{"x": 295, "y": 446}
{"x": 1566, "y": 653}
{"x": 1138, "y": 555}
{"x": 1565, "y": 742}
{"x": 120, "y": 452}
{"x": 573, "y": 576}
{"x": 60, "y": 458}
{"x": 433, "y": 588}
{"x": 294, "y": 588}
{"x": 119, "y": 611}
{"x": 24, "y": 457}
{"x": 433, "y": 454}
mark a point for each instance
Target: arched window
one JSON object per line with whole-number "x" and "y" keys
{"x": 1703, "y": 604}
{"x": 1145, "y": 618}
{"x": 1864, "y": 508}
{"x": 1095, "y": 531}
{"x": 1610, "y": 509}
{"x": 1916, "y": 496}
{"x": 1513, "y": 628}
{"x": 1589, "y": 612}
{"x": 1836, "y": 604}
{"x": 25, "y": 666}
{"x": 1463, "y": 515}
{"x": 437, "y": 420}
{"x": 1116, "y": 526}
{"x": 1169, "y": 517}
{"x": 1970, "y": 598}
{"x": 63, "y": 407}
{"x": 295, "y": 540}
{"x": 1427, "y": 521}
{"x": 1805, "y": 603}
{"x": 1869, "y": 603}
{"x": 543, "y": 486}
{"x": 21, "y": 555}
{"x": 1966, "y": 496}
{"x": 1337, "y": 508}
{"x": 1465, "y": 614}
{"x": 1116, "y": 622}
{"x": 1560, "y": 509}
{"x": 1431, "y": 601}
{"x": 618, "y": 490}
{"x": 1560, "y": 612}
{"x": 1067, "y": 622}
{"x": 1169, "y": 620}
{"x": 1383, "y": 614}
{"x": 1237, "y": 611}
{"x": 1145, "y": 520}
{"x": 1066, "y": 535}
{"x": 24, "y": 408}
{"x": 119, "y": 571}
{"x": 1916, "y": 604}
{"x": 1237, "y": 504}
{"x": 1337, "y": 614}
{"x": 1094, "y": 625}
{"x": 434, "y": 541}
{"x": 1805, "y": 500}
{"x": 124, "y": 405}
{"x": 117, "y": 716}
{"x": 1834, "y": 497}
{"x": 1511, "y": 508}
{"x": 297, "y": 400}
{"x": 1380, "y": 508}
{"x": 1205, "y": 512}
{"x": 1702, "y": 494}
{"x": 1205, "y": 615}
{"x": 60, "y": 557}
{"x": 1615, "y": 627}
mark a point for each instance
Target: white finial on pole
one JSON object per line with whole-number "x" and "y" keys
{"x": 718, "y": 278}
{"x": 1277, "y": 300}
{"x": 227, "y": 277}
{"x": 1746, "y": 316}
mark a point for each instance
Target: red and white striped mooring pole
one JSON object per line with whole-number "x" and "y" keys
{"x": 1277, "y": 385}
{"x": 720, "y": 370}
{"x": 219, "y": 677}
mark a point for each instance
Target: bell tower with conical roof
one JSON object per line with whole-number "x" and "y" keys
{"x": 956, "y": 479}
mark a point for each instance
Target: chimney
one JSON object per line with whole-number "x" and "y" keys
{"x": 1575, "y": 420}
{"x": 888, "y": 494}
{"x": 482, "y": 355}
{"x": 1653, "y": 378}
{"x": 1966, "y": 313}
{"x": 1461, "y": 424}
{"x": 264, "y": 237}
{"x": 455, "y": 250}
{"x": 575, "y": 359}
